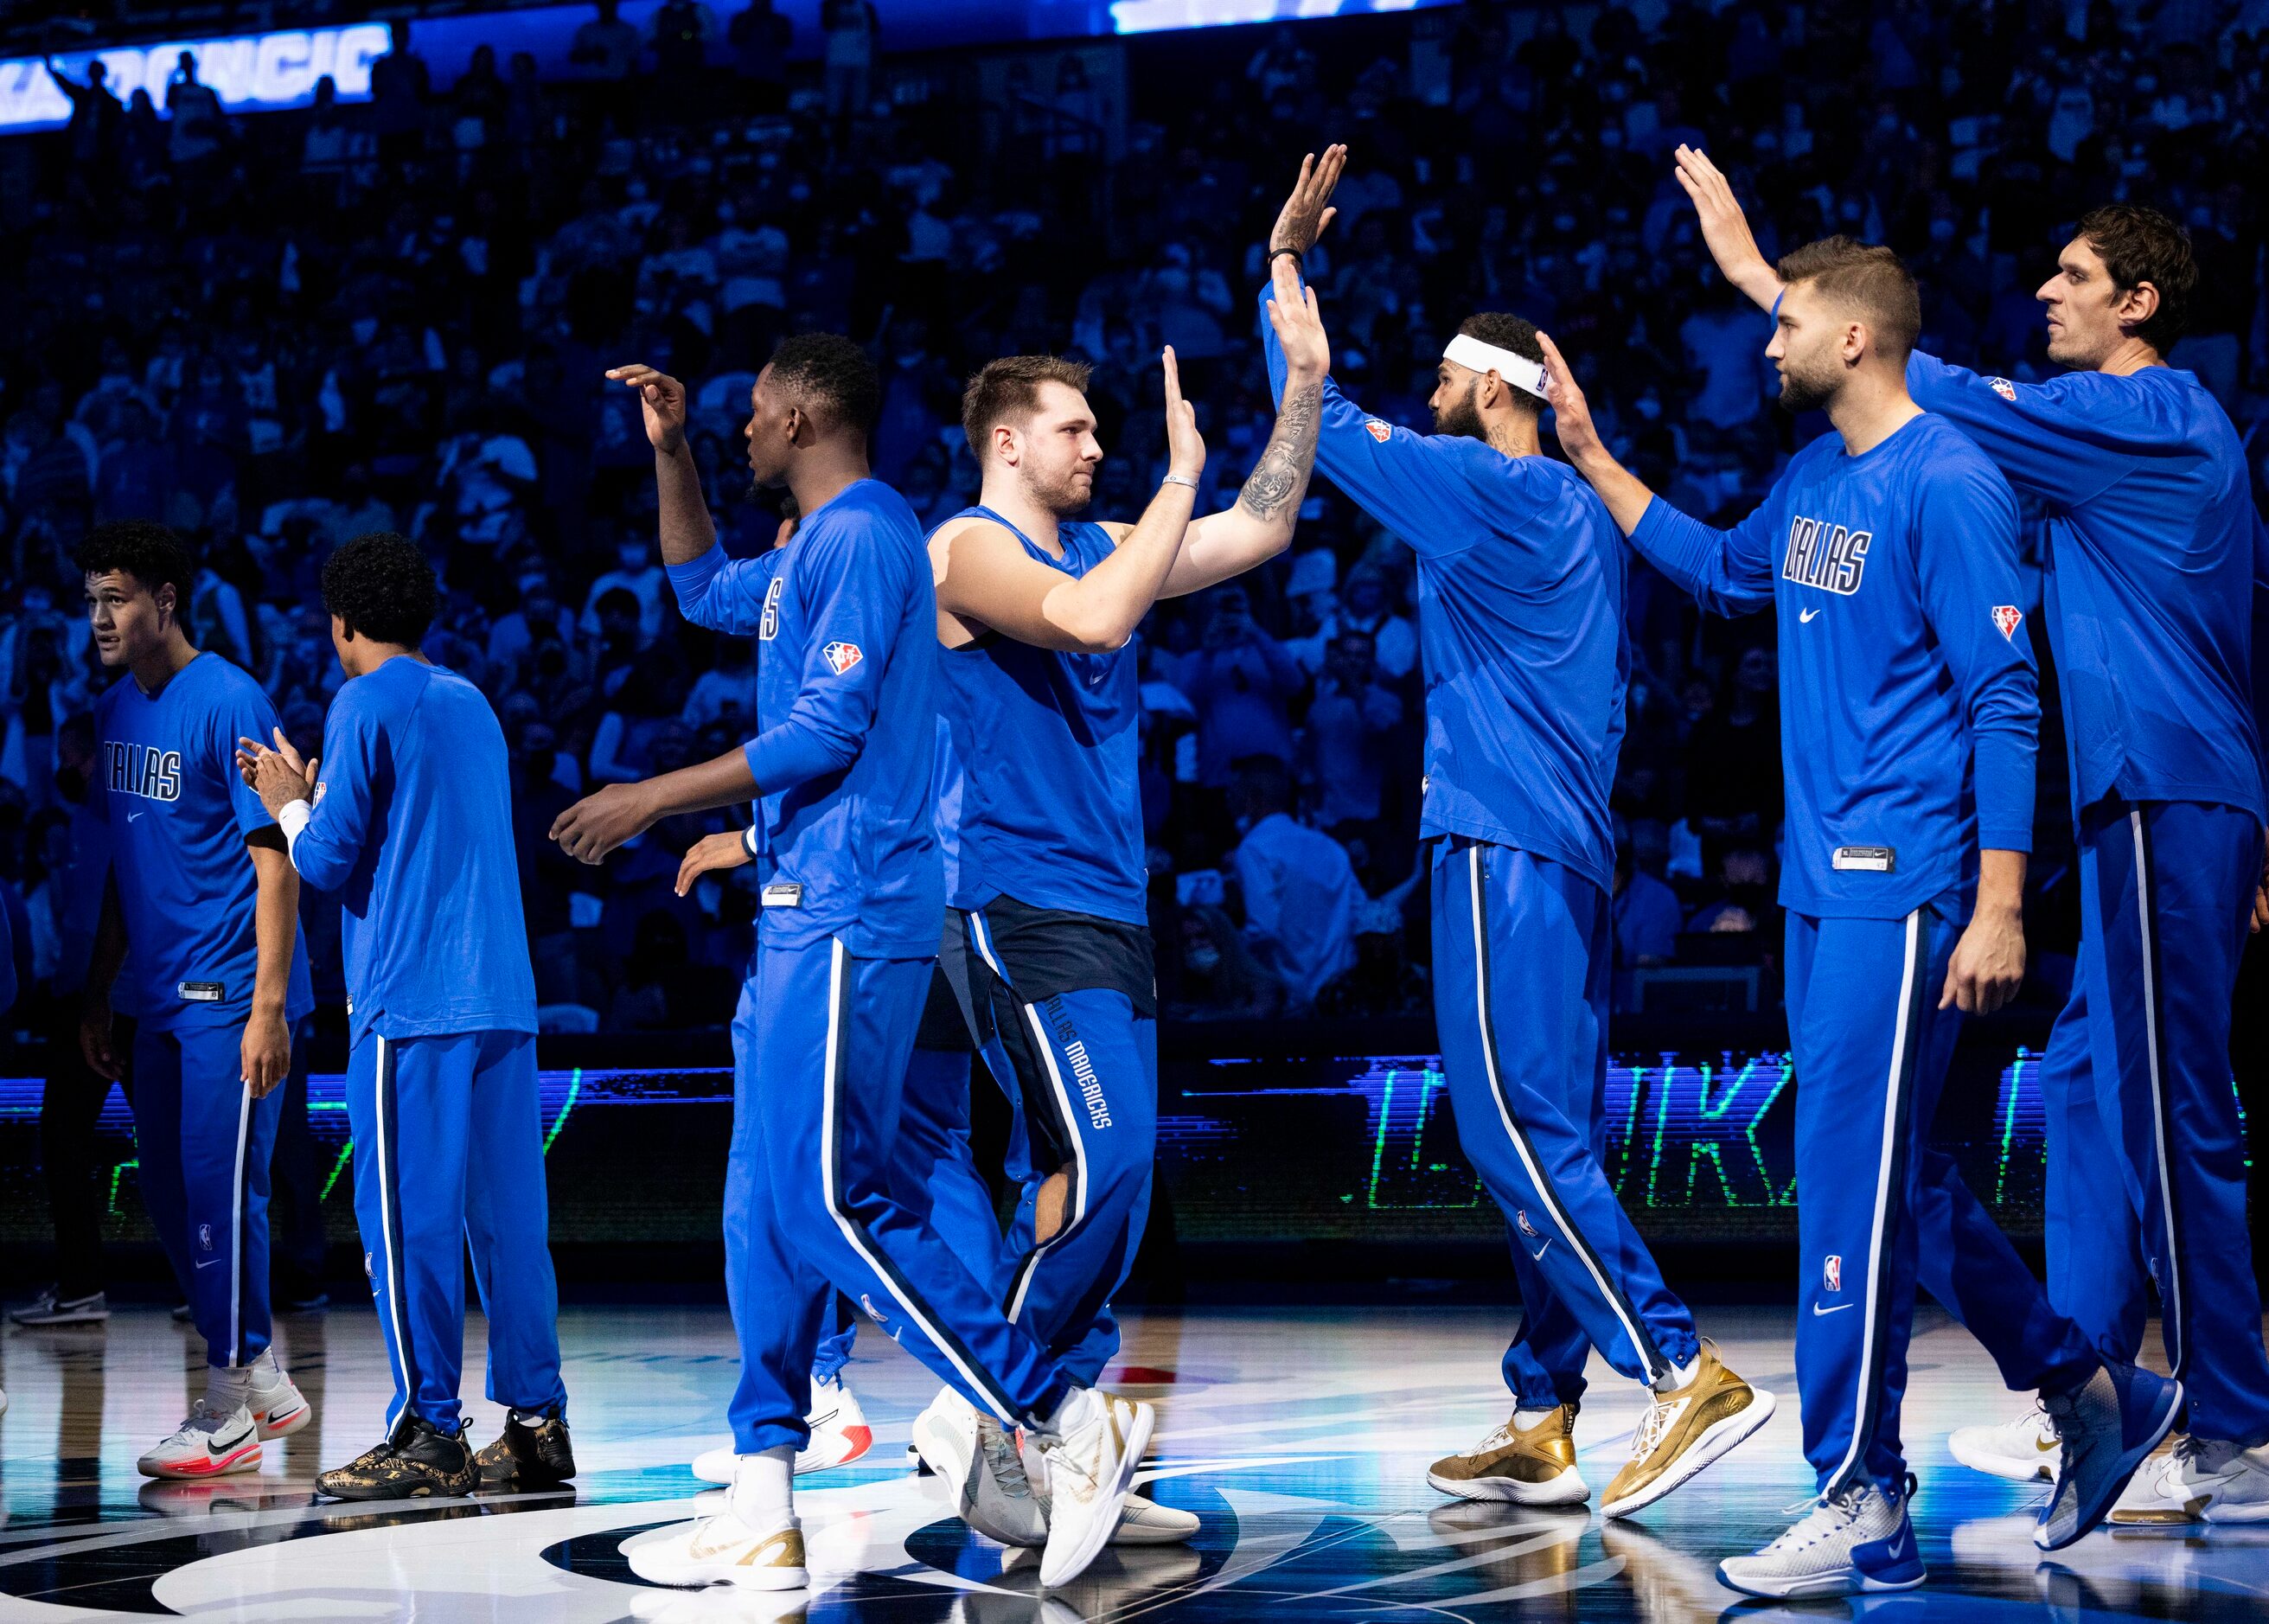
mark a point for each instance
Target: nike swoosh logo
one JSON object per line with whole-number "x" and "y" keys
{"x": 1898, "y": 1547}
{"x": 130, "y": 816}
{"x": 208, "y": 1262}
{"x": 1805, "y": 619}
{"x": 1540, "y": 1252}
{"x": 1818, "y": 1311}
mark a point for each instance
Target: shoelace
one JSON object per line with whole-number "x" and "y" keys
{"x": 205, "y": 1419}
{"x": 1829, "y": 1516}
{"x": 1007, "y": 1462}
{"x": 1652, "y": 1425}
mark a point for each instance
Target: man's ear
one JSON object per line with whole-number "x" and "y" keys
{"x": 167, "y": 599}
{"x": 2139, "y": 304}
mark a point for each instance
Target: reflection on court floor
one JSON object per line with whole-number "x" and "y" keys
{"x": 1300, "y": 1437}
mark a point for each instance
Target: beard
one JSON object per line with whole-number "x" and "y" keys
{"x": 1462, "y": 416}
{"x": 1064, "y": 495}
{"x": 1802, "y": 391}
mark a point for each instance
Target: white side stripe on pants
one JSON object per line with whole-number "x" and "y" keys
{"x": 236, "y": 1235}
{"x": 1887, "y": 1155}
{"x": 2172, "y": 1321}
{"x": 1640, "y": 1345}
{"x": 1079, "y": 1163}
{"x": 831, "y": 1077}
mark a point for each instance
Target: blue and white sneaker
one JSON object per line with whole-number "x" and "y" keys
{"x": 2109, "y": 1426}
{"x": 1855, "y": 1541}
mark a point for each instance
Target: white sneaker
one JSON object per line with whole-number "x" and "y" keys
{"x": 277, "y": 1405}
{"x": 1855, "y": 1542}
{"x": 840, "y": 1436}
{"x": 978, "y": 1461}
{"x": 209, "y": 1443}
{"x": 1141, "y": 1521}
{"x": 2023, "y": 1450}
{"x": 47, "y": 1310}
{"x": 1091, "y": 1462}
{"x": 2201, "y": 1481}
{"x": 724, "y": 1550}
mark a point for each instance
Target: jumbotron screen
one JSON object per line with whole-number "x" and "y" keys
{"x": 1332, "y": 1149}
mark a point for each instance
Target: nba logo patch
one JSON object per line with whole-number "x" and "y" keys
{"x": 2003, "y": 387}
{"x": 319, "y": 788}
{"x": 842, "y": 657}
{"x": 1832, "y": 1273}
{"x": 2008, "y": 617}
{"x": 1527, "y": 1228}
{"x": 1380, "y": 431}
{"x": 873, "y": 1313}
{"x": 204, "y": 1237}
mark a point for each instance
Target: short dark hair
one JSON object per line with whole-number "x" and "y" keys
{"x": 1865, "y": 278}
{"x": 381, "y": 586}
{"x": 828, "y": 373}
{"x": 1508, "y": 332}
{"x": 150, "y": 552}
{"x": 2139, "y": 245}
{"x": 1010, "y": 387}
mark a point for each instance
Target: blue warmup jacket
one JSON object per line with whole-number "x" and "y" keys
{"x": 1901, "y": 658}
{"x": 1520, "y": 621}
{"x": 846, "y": 715}
{"x": 2151, "y": 561}
{"x": 412, "y": 826}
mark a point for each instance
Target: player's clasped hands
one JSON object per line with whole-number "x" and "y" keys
{"x": 278, "y": 776}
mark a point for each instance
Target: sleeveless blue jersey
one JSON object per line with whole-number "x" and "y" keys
{"x": 1049, "y": 748}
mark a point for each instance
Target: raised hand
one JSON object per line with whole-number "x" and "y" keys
{"x": 709, "y": 854}
{"x": 1725, "y": 228}
{"x": 663, "y": 399}
{"x": 1185, "y": 450}
{"x": 1299, "y": 325}
{"x": 1305, "y": 215}
{"x": 1571, "y": 413}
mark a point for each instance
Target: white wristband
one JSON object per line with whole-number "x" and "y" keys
{"x": 292, "y": 819}
{"x": 1180, "y": 479}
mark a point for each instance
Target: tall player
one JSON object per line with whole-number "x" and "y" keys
{"x": 203, "y": 909}
{"x": 1909, "y": 716}
{"x": 409, "y": 817}
{"x": 852, "y": 891}
{"x": 2151, "y": 554}
{"x": 1520, "y": 583}
{"x": 1037, "y": 612}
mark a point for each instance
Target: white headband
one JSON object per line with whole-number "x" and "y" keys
{"x": 1516, "y": 370}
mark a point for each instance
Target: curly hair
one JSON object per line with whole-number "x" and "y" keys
{"x": 1508, "y": 331}
{"x": 2139, "y": 245}
{"x": 381, "y": 586}
{"x": 830, "y": 376}
{"x": 150, "y": 553}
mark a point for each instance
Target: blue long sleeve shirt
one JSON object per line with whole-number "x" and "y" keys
{"x": 1902, "y": 661}
{"x": 1521, "y": 623}
{"x": 2152, "y": 560}
{"x": 845, "y": 620}
{"x": 411, "y": 824}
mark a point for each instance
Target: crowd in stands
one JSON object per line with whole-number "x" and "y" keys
{"x": 278, "y": 331}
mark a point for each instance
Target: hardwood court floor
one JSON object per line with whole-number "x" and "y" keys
{"x": 1301, "y": 1437}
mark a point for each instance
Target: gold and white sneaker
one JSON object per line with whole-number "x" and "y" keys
{"x": 1091, "y": 1464}
{"x": 1141, "y": 1521}
{"x": 2200, "y": 1480}
{"x": 2023, "y": 1450}
{"x": 724, "y": 1550}
{"x": 1684, "y": 1430}
{"x": 1531, "y": 1467}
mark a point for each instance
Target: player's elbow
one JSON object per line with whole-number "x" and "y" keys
{"x": 1086, "y": 628}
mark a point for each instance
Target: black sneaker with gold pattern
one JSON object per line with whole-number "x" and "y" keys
{"x": 418, "y": 1461}
{"x": 532, "y": 1452}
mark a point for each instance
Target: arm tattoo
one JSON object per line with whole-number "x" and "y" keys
{"x": 1280, "y": 478}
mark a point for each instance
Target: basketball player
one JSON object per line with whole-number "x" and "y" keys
{"x": 1037, "y": 613}
{"x": 853, "y": 892}
{"x": 202, "y": 911}
{"x": 1909, "y": 716}
{"x": 2151, "y": 552}
{"x": 1520, "y": 584}
{"x": 409, "y": 817}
